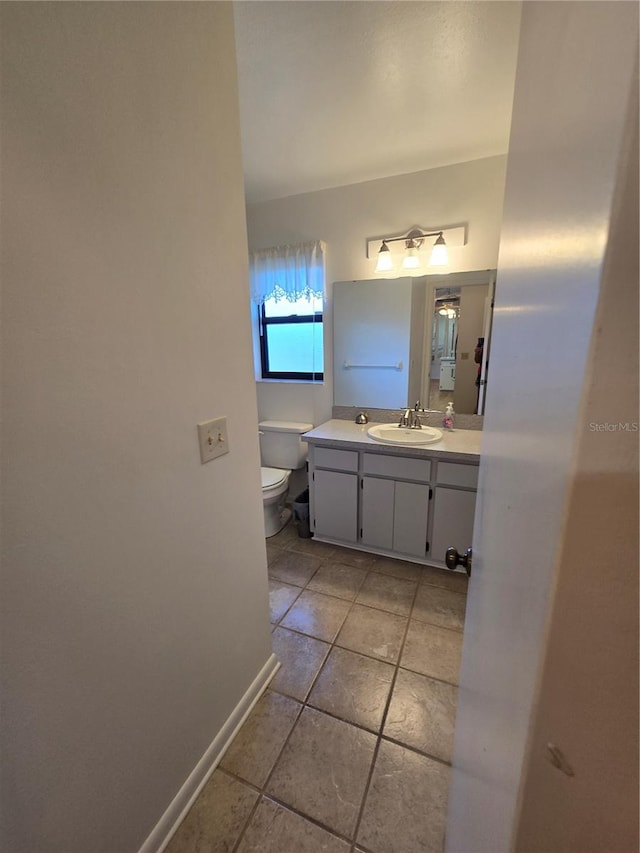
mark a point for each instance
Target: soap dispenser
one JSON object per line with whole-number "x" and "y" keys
{"x": 449, "y": 415}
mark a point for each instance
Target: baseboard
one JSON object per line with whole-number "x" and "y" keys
{"x": 163, "y": 831}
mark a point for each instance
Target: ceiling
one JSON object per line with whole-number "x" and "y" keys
{"x": 335, "y": 93}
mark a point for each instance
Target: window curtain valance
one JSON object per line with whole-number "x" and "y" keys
{"x": 287, "y": 272}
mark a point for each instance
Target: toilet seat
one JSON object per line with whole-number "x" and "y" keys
{"x": 273, "y": 477}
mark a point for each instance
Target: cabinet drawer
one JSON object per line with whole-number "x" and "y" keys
{"x": 400, "y": 468}
{"x": 340, "y": 460}
{"x": 454, "y": 474}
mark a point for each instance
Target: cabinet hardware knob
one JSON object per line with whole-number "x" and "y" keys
{"x": 453, "y": 559}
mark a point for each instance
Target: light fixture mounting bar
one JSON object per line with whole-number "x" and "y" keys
{"x": 416, "y": 237}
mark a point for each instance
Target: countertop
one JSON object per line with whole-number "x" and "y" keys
{"x": 460, "y": 445}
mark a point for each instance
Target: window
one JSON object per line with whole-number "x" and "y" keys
{"x": 287, "y": 286}
{"x": 291, "y": 340}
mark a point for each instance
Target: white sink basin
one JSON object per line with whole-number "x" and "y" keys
{"x": 393, "y": 434}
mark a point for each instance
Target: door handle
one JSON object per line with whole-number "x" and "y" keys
{"x": 453, "y": 559}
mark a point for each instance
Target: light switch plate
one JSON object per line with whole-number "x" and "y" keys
{"x": 213, "y": 439}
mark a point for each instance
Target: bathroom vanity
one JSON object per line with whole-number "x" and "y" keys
{"x": 409, "y": 502}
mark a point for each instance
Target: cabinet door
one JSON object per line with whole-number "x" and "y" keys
{"x": 410, "y": 516}
{"x": 336, "y": 505}
{"x": 377, "y": 512}
{"x": 452, "y": 521}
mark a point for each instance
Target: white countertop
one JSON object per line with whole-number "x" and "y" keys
{"x": 461, "y": 445}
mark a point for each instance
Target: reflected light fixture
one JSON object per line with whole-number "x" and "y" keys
{"x": 447, "y": 311}
{"x": 411, "y": 261}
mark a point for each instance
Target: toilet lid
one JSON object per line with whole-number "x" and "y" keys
{"x": 272, "y": 477}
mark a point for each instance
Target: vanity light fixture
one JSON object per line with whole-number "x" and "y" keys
{"x": 411, "y": 261}
{"x": 385, "y": 261}
{"x": 439, "y": 254}
{"x": 413, "y": 242}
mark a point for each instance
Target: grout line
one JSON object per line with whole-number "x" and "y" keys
{"x": 304, "y": 704}
{"x": 292, "y": 539}
{"x": 262, "y": 791}
{"x": 382, "y": 725}
{"x": 266, "y": 782}
{"x": 338, "y": 645}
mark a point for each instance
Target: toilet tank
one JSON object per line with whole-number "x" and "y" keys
{"x": 280, "y": 444}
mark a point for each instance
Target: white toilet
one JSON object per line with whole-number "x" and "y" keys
{"x": 281, "y": 449}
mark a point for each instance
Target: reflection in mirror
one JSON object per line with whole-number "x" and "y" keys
{"x": 444, "y": 346}
{"x": 401, "y": 340}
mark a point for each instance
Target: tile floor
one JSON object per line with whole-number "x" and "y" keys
{"x": 349, "y": 749}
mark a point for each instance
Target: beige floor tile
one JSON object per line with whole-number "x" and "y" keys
{"x": 373, "y": 632}
{"x": 273, "y": 552}
{"x": 354, "y": 688}
{"x": 406, "y": 803}
{"x": 260, "y": 740}
{"x": 387, "y": 593}
{"x": 433, "y": 651}
{"x": 281, "y": 597}
{"x": 217, "y": 817}
{"x": 301, "y": 658}
{"x": 396, "y": 568}
{"x": 323, "y": 770}
{"x": 286, "y": 535}
{"x": 422, "y": 714}
{"x": 320, "y": 616}
{"x": 337, "y": 579}
{"x": 293, "y": 568}
{"x": 274, "y": 829}
{"x": 441, "y": 607}
{"x": 457, "y": 581}
{"x": 311, "y": 548}
{"x": 351, "y": 557}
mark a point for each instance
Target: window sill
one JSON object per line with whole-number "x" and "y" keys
{"x": 291, "y": 381}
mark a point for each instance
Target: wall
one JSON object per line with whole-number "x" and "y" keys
{"x": 134, "y": 579}
{"x": 346, "y": 216}
{"x": 588, "y": 697}
{"x": 575, "y": 66}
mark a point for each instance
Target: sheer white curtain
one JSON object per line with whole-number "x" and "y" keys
{"x": 287, "y": 272}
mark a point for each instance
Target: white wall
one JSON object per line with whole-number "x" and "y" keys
{"x": 346, "y": 216}
{"x": 134, "y": 579}
{"x": 588, "y": 699}
{"x": 575, "y": 67}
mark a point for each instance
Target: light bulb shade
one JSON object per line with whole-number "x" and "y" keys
{"x": 385, "y": 261}
{"x": 439, "y": 254}
{"x": 411, "y": 261}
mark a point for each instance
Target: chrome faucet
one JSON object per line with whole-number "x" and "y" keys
{"x": 411, "y": 418}
{"x": 405, "y": 420}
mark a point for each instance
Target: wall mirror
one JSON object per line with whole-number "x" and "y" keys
{"x": 399, "y": 340}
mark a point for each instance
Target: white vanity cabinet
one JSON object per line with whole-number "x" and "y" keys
{"x": 395, "y": 511}
{"x": 410, "y": 506}
{"x": 334, "y": 494}
{"x": 455, "y": 505}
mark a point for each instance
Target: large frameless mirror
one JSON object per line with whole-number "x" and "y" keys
{"x": 397, "y": 341}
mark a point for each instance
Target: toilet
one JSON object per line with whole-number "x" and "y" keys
{"x": 281, "y": 451}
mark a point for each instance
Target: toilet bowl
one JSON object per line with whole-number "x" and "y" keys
{"x": 275, "y": 486}
{"x": 281, "y": 451}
